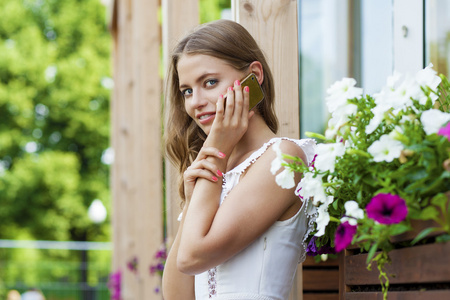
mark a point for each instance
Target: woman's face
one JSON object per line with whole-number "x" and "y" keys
{"x": 203, "y": 79}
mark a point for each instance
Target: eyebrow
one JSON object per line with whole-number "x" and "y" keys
{"x": 200, "y": 79}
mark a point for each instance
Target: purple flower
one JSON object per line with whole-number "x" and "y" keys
{"x": 387, "y": 209}
{"x": 114, "y": 285}
{"x": 445, "y": 131}
{"x": 161, "y": 254}
{"x": 311, "y": 164}
{"x": 311, "y": 249}
{"x": 132, "y": 265}
{"x": 326, "y": 249}
{"x": 344, "y": 235}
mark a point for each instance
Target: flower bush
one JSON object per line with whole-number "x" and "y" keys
{"x": 384, "y": 161}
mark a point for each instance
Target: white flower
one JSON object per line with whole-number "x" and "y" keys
{"x": 428, "y": 77}
{"x": 378, "y": 116}
{"x": 352, "y": 209}
{"x": 385, "y": 149}
{"x": 401, "y": 96}
{"x": 277, "y": 162}
{"x": 311, "y": 187}
{"x": 340, "y": 92}
{"x": 334, "y": 124}
{"x": 323, "y": 218}
{"x": 352, "y": 212}
{"x": 286, "y": 179}
{"x": 433, "y": 119}
{"x": 326, "y": 156}
{"x": 392, "y": 80}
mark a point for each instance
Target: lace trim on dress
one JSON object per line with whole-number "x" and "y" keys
{"x": 307, "y": 145}
{"x": 212, "y": 282}
{"x": 311, "y": 214}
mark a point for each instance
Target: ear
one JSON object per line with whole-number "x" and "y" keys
{"x": 257, "y": 69}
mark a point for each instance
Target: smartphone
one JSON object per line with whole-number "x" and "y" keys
{"x": 255, "y": 91}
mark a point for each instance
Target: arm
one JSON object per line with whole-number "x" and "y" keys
{"x": 177, "y": 285}
{"x": 211, "y": 235}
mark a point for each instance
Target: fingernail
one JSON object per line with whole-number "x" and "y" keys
{"x": 230, "y": 88}
{"x": 237, "y": 82}
{"x": 246, "y": 89}
{"x": 219, "y": 173}
{"x": 221, "y": 154}
{"x": 214, "y": 178}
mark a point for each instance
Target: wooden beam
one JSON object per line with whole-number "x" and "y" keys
{"x": 177, "y": 21}
{"x": 136, "y": 138}
{"x": 273, "y": 23}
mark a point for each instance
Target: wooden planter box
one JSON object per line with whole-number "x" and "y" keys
{"x": 320, "y": 280}
{"x": 416, "y": 272}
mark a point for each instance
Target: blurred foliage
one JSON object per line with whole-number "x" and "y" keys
{"x": 210, "y": 10}
{"x": 55, "y": 85}
{"x": 54, "y": 108}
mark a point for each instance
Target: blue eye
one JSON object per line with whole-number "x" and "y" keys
{"x": 186, "y": 92}
{"x": 210, "y": 82}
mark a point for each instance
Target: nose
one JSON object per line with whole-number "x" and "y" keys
{"x": 198, "y": 100}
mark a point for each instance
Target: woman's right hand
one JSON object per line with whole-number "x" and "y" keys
{"x": 202, "y": 168}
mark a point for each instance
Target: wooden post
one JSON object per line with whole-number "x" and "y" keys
{"x": 177, "y": 21}
{"x": 136, "y": 139}
{"x": 273, "y": 23}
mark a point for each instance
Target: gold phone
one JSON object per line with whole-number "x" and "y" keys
{"x": 255, "y": 91}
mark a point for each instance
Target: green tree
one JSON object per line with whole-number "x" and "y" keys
{"x": 210, "y": 10}
{"x": 54, "y": 107}
{"x": 55, "y": 85}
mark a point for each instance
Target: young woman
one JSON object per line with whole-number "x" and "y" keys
{"x": 240, "y": 235}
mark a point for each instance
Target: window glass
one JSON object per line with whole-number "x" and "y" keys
{"x": 323, "y": 38}
{"x": 339, "y": 39}
{"x": 437, "y": 35}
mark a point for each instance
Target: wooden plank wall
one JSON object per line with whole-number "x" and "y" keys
{"x": 177, "y": 21}
{"x": 136, "y": 138}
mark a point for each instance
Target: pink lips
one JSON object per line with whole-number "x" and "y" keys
{"x": 206, "y": 117}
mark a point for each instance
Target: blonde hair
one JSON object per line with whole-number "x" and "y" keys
{"x": 232, "y": 43}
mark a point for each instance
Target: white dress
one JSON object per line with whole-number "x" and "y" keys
{"x": 265, "y": 269}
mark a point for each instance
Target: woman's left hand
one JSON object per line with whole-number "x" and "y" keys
{"x": 232, "y": 118}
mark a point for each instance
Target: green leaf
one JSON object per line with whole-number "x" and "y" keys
{"x": 440, "y": 200}
{"x": 398, "y": 229}
{"x": 315, "y": 135}
{"x": 429, "y": 213}
{"x": 371, "y": 253}
{"x": 443, "y": 238}
{"x": 423, "y": 234}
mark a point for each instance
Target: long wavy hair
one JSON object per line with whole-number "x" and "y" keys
{"x": 226, "y": 40}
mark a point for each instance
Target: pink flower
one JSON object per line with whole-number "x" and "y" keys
{"x": 114, "y": 285}
{"x": 344, "y": 236}
{"x": 387, "y": 209}
{"x": 132, "y": 265}
{"x": 445, "y": 131}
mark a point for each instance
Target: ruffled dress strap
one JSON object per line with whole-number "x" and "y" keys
{"x": 307, "y": 145}
{"x": 231, "y": 178}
